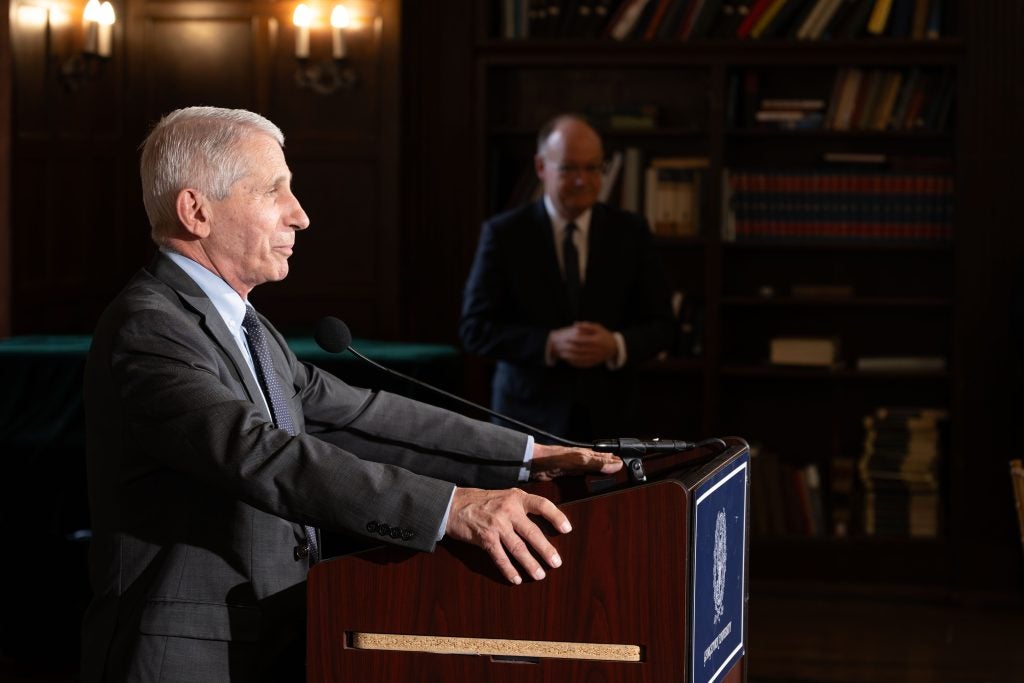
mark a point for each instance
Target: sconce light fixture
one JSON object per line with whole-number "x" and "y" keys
{"x": 98, "y": 28}
{"x": 323, "y": 76}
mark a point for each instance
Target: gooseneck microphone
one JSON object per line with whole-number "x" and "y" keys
{"x": 333, "y": 336}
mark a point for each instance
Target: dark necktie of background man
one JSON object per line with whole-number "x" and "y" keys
{"x": 267, "y": 377}
{"x": 571, "y": 264}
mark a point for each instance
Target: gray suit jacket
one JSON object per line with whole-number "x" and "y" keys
{"x": 197, "y": 500}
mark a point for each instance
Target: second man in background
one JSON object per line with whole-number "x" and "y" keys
{"x": 567, "y": 294}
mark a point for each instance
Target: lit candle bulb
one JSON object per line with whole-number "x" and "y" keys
{"x": 339, "y": 22}
{"x": 106, "y": 29}
{"x": 91, "y": 19}
{"x": 302, "y": 18}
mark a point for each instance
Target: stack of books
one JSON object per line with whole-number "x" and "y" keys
{"x": 898, "y": 470}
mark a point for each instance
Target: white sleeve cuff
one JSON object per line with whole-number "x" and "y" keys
{"x": 524, "y": 471}
{"x": 620, "y": 357}
{"x": 448, "y": 511}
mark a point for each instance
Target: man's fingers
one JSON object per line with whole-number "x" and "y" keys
{"x": 497, "y": 522}
{"x": 539, "y": 505}
{"x": 496, "y": 550}
{"x": 521, "y": 551}
{"x": 540, "y": 544}
{"x": 607, "y": 460}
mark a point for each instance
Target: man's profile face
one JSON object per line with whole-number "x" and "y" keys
{"x": 252, "y": 230}
{"x": 570, "y": 168}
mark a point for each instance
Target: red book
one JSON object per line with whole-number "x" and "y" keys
{"x": 755, "y": 13}
{"x": 656, "y": 19}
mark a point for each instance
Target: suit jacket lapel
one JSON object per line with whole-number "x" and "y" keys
{"x": 600, "y": 262}
{"x": 549, "y": 276}
{"x": 192, "y": 297}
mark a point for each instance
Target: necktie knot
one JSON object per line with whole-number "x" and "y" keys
{"x": 250, "y": 322}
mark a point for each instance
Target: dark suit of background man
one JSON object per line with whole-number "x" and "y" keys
{"x": 202, "y": 507}
{"x": 564, "y": 351}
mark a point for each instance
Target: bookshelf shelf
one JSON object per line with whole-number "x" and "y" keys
{"x": 832, "y": 302}
{"x": 818, "y": 134}
{"x": 559, "y": 51}
{"x": 865, "y": 246}
{"x": 841, "y": 374}
{"x": 667, "y": 242}
{"x": 610, "y": 135}
{"x": 675, "y": 365}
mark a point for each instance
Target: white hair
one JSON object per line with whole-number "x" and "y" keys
{"x": 195, "y": 147}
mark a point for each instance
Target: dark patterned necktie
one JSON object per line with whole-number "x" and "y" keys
{"x": 571, "y": 262}
{"x": 267, "y": 376}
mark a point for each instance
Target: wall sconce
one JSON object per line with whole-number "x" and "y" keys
{"x": 97, "y": 45}
{"x": 323, "y": 76}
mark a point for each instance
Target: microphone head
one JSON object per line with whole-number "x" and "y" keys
{"x": 332, "y": 335}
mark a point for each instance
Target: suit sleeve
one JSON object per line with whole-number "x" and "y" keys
{"x": 491, "y": 324}
{"x": 181, "y": 413}
{"x": 419, "y": 437}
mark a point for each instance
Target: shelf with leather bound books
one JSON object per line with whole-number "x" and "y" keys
{"x": 673, "y": 21}
{"x": 899, "y": 312}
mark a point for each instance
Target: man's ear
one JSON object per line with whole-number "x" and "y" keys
{"x": 193, "y": 212}
{"x": 538, "y": 165}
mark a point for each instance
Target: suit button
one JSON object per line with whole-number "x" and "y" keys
{"x": 372, "y": 527}
{"x": 302, "y": 551}
{"x": 384, "y": 529}
{"x": 407, "y": 534}
{"x": 396, "y": 532}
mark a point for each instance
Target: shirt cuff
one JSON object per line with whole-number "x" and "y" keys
{"x": 524, "y": 471}
{"x": 448, "y": 511}
{"x": 620, "y": 356}
{"x": 524, "y": 475}
{"x": 549, "y": 356}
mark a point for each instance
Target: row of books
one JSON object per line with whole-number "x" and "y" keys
{"x": 899, "y": 471}
{"x": 786, "y": 499}
{"x": 842, "y": 19}
{"x": 671, "y": 20}
{"x": 861, "y": 99}
{"x": 842, "y": 206}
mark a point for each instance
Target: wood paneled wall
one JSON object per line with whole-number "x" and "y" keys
{"x": 989, "y": 390}
{"x": 5, "y": 172}
{"x": 440, "y": 170}
{"x": 78, "y": 229}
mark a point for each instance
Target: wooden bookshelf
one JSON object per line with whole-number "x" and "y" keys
{"x": 902, "y": 300}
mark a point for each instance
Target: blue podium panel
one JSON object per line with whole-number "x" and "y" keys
{"x": 718, "y": 600}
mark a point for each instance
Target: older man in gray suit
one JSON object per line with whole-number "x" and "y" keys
{"x": 207, "y": 476}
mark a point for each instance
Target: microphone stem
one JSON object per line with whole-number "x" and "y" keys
{"x": 465, "y": 402}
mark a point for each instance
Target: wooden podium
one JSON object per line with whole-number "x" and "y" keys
{"x": 621, "y": 608}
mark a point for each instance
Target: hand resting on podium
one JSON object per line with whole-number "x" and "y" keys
{"x": 498, "y": 521}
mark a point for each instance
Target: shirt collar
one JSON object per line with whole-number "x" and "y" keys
{"x": 558, "y": 222}
{"x": 229, "y": 305}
